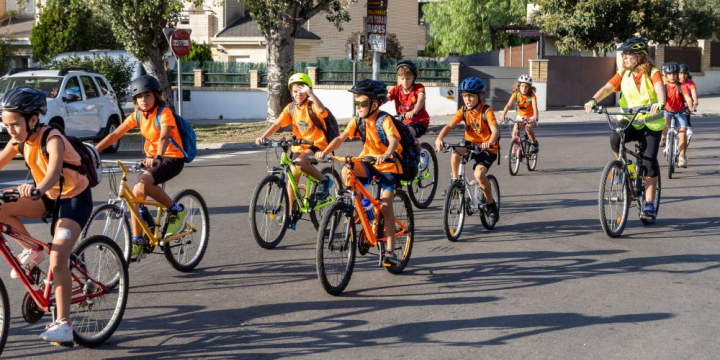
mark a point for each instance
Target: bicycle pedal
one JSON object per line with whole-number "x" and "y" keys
{"x": 65, "y": 344}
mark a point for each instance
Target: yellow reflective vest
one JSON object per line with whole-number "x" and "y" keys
{"x": 634, "y": 97}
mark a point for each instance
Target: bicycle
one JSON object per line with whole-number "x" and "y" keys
{"x": 672, "y": 147}
{"x": 99, "y": 286}
{"x": 464, "y": 197}
{"x": 112, "y": 220}
{"x": 520, "y": 149}
{"x": 337, "y": 240}
{"x": 622, "y": 182}
{"x": 270, "y": 197}
{"x": 422, "y": 189}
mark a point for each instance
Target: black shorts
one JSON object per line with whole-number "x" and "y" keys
{"x": 168, "y": 169}
{"x": 420, "y": 129}
{"x": 312, "y": 148}
{"x": 77, "y": 208}
{"x": 484, "y": 158}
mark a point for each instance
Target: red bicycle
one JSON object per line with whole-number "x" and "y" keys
{"x": 99, "y": 286}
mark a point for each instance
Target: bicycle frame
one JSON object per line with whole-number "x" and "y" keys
{"x": 474, "y": 195}
{"x": 524, "y": 141}
{"x": 303, "y": 200}
{"x": 676, "y": 142}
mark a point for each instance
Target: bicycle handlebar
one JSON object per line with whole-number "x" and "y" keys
{"x": 462, "y": 144}
{"x": 12, "y": 195}
{"x": 285, "y": 142}
{"x": 518, "y": 120}
{"x": 367, "y": 159}
{"x": 623, "y": 123}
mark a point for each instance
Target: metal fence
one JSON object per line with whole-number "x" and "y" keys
{"x": 344, "y": 77}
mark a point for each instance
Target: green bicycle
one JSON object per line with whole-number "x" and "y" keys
{"x": 270, "y": 215}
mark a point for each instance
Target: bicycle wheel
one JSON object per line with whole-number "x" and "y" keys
{"x": 422, "y": 188}
{"x": 613, "y": 199}
{"x": 402, "y": 247}
{"x": 317, "y": 215}
{"x": 514, "y": 157}
{"x": 335, "y": 251}
{"x": 96, "y": 312}
{"x": 454, "y": 211}
{"x": 656, "y": 201}
{"x": 269, "y": 213}
{"x": 4, "y": 316}
{"x": 532, "y": 159}
{"x": 495, "y": 190}
{"x": 185, "y": 253}
{"x": 108, "y": 220}
{"x": 670, "y": 141}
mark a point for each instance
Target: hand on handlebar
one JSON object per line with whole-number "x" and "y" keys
{"x": 150, "y": 162}
{"x": 29, "y": 191}
{"x": 260, "y": 141}
{"x": 439, "y": 145}
{"x": 656, "y": 107}
{"x": 485, "y": 145}
{"x": 381, "y": 158}
{"x": 409, "y": 115}
{"x": 590, "y": 105}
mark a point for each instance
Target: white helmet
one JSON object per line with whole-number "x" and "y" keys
{"x": 97, "y": 164}
{"x": 525, "y": 79}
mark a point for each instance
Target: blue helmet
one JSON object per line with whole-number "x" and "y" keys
{"x": 472, "y": 85}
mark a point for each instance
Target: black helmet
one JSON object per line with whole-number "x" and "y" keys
{"x": 371, "y": 88}
{"x": 684, "y": 68}
{"x": 144, "y": 83}
{"x": 635, "y": 45}
{"x": 671, "y": 67}
{"x": 26, "y": 100}
{"x": 411, "y": 65}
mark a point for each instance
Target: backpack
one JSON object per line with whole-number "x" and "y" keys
{"x": 331, "y": 132}
{"x": 87, "y": 158}
{"x": 484, "y": 119}
{"x": 187, "y": 134}
{"x": 409, "y": 158}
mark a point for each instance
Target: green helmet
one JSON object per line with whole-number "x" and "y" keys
{"x": 299, "y": 78}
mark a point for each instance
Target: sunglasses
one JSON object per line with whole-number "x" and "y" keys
{"x": 362, "y": 104}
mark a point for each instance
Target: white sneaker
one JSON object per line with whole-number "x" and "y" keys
{"x": 689, "y": 132}
{"x": 29, "y": 258}
{"x": 682, "y": 161}
{"x": 59, "y": 331}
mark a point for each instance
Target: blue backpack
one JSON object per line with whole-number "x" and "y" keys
{"x": 187, "y": 134}
{"x": 410, "y": 155}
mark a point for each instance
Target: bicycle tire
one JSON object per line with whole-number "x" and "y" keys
{"x": 613, "y": 222}
{"x": 176, "y": 251}
{"x": 269, "y": 242}
{"x": 484, "y": 217}
{"x": 532, "y": 159}
{"x": 4, "y": 316}
{"x": 656, "y": 201}
{"x": 317, "y": 215}
{"x": 112, "y": 214}
{"x": 418, "y": 187}
{"x": 403, "y": 211}
{"x": 454, "y": 192}
{"x": 329, "y": 256}
{"x": 670, "y": 141}
{"x": 96, "y": 268}
{"x": 514, "y": 157}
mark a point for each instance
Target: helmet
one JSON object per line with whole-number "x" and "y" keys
{"x": 671, "y": 67}
{"x": 411, "y": 65}
{"x": 26, "y": 100}
{"x": 684, "y": 68}
{"x": 525, "y": 79}
{"x": 144, "y": 83}
{"x": 299, "y": 78}
{"x": 472, "y": 85}
{"x": 97, "y": 164}
{"x": 635, "y": 45}
{"x": 371, "y": 88}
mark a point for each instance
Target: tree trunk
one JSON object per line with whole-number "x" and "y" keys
{"x": 156, "y": 66}
{"x": 280, "y": 63}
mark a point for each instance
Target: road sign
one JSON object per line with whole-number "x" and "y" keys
{"x": 376, "y": 25}
{"x": 180, "y": 42}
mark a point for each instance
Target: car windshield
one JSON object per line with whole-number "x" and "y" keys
{"x": 48, "y": 84}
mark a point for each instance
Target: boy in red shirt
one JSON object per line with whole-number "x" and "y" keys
{"x": 674, "y": 105}
{"x": 409, "y": 98}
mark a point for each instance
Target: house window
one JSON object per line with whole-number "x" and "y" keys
{"x": 241, "y": 59}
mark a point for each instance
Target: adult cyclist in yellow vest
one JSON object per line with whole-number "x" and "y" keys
{"x": 640, "y": 83}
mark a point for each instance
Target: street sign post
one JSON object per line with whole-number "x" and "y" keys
{"x": 376, "y": 28}
{"x": 179, "y": 40}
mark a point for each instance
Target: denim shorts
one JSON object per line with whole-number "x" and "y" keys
{"x": 387, "y": 181}
{"x": 681, "y": 120}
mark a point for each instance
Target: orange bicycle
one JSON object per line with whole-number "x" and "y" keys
{"x": 337, "y": 239}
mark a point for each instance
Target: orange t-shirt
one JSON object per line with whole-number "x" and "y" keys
{"x": 75, "y": 183}
{"x": 373, "y": 146}
{"x": 673, "y": 100}
{"x": 616, "y": 80}
{"x": 475, "y": 128}
{"x": 149, "y": 130}
{"x": 303, "y": 127}
{"x": 525, "y": 104}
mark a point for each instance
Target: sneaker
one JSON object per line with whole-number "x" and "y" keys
{"x": 535, "y": 148}
{"x": 649, "y": 210}
{"x": 390, "y": 259}
{"x": 424, "y": 160}
{"x": 493, "y": 211}
{"x": 682, "y": 161}
{"x": 28, "y": 258}
{"x": 59, "y": 331}
{"x": 138, "y": 252}
{"x": 176, "y": 221}
{"x": 662, "y": 141}
{"x": 689, "y": 132}
{"x": 324, "y": 189}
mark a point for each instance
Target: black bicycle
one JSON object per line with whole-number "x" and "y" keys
{"x": 422, "y": 189}
{"x": 520, "y": 149}
{"x": 622, "y": 181}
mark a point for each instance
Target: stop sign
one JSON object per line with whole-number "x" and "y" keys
{"x": 180, "y": 42}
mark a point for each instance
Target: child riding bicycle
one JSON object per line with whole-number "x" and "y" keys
{"x": 481, "y": 129}
{"x": 523, "y": 96}
{"x": 677, "y": 97}
{"x": 163, "y": 160}
{"x": 409, "y": 98}
{"x": 685, "y": 79}
{"x": 369, "y": 95}
{"x": 64, "y": 192}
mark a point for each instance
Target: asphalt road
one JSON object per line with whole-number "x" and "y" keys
{"x": 546, "y": 283}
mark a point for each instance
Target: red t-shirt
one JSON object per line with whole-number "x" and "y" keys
{"x": 673, "y": 100}
{"x": 406, "y": 103}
